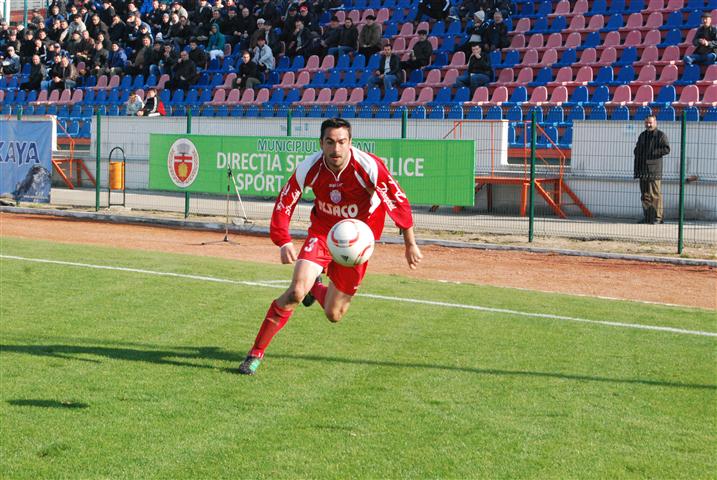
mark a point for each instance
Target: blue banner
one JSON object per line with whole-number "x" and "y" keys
{"x": 26, "y": 160}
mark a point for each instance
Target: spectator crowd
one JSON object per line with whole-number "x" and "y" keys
{"x": 152, "y": 37}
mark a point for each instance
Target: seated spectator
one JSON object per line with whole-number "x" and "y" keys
{"x": 63, "y": 75}
{"x": 247, "y": 74}
{"x": 348, "y": 39}
{"x": 369, "y": 39}
{"x": 246, "y": 26}
{"x": 706, "y": 42}
{"x": 216, "y": 43}
{"x": 153, "y": 106}
{"x": 420, "y": 55}
{"x": 198, "y": 55}
{"x": 142, "y": 59}
{"x": 134, "y": 105}
{"x": 117, "y": 60}
{"x": 36, "y": 76}
{"x": 299, "y": 42}
{"x": 435, "y": 9}
{"x": 388, "y": 71}
{"x": 308, "y": 19}
{"x": 10, "y": 64}
{"x": 263, "y": 57}
{"x": 496, "y": 34}
{"x": 167, "y": 60}
{"x": 184, "y": 73}
{"x": 480, "y": 71}
{"x": 331, "y": 36}
{"x": 98, "y": 61}
{"x": 476, "y": 34}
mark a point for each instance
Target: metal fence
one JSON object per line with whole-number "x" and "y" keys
{"x": 598, "y": 170}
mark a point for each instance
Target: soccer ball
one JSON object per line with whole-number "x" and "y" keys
{"x": 350, "y": 242}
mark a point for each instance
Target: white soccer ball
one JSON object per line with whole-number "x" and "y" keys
{"x": 350, "y": 242}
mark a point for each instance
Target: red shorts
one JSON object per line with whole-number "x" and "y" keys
{"x": 346, "y": 279}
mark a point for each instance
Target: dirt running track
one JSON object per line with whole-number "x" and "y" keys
{"x": 652, "y": 282}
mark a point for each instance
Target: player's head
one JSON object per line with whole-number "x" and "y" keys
{"x": 336, "y": 142}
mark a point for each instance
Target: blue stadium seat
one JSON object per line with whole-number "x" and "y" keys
{"x": 439, "y": 29}
{"x": 690, "y": 75}
{"x": 576, "y": 113}
{"x": 222, "y": 111}
{"x": 177, "y": 97}
{"x": 514, "y": 114}
{"x": 693, "y": 20}
{"x": 253, "y": 110}
{"x": 616, "y": 7}
{"x": 603, "y": 77}
{"x": 555, "y": 115}
{"x": 343, "y": 63}
{"x": 85, "y": 130}
{"x": 494, "y": 113}
{"x": 334, "y": 79}
{"x": 437, "y": 113}
{"x": 519, "y": 95}
{"x": 591, "y": 40}
{"x": 463, "y": 94}
{"x": 474, "y": 113}
{"x": 599, "y": 7}
{"x": 635, "y": 6}
{"x": 398, "y": 112}
{"x": 442, "y": 97}
{"x": 318, "y": 81}
{"x": 693, "y": 114}
{"x": 598, "y": 113}
{"x": 179, "y": 111}
{"x": 114, "y": 111}
{"x": 558, "y": 24}
{"x": 599, "y": 96}
{"x": 538, "y": 114}
{"x": 414, "y": 78}
{"x": 390, "y": 96}
{"x": 277, "y": 96}
{"x": 544, "y": 76}
{"x": 21, "y": 96}
{"x": 331, "y": 111}
{"x": 418, "y": 112}
{"x": 76, "y": 110}
{"x": 237, "y": 111}
{"x": 298, "y": 111}
{"x": 315, "y": 111}
{"x": 673, "y": 37}
{"x": 674, "y": 20}
{"x": 89, "y": 97}
{"x": 512, "y": 58}
{"x": 359, "y": 62}
{"x": 627, "y": 58}
{"x": 283, "y": 65}
{"x": 621, "y": 112}
{"x": 373, "y": 62}
{"x": 455, "y": 112}
{"x": 665, "y": 96}
{"x": 642, "y": 112}
{"x": 615, "y": 22}
{"x": 31, "y": 96}
{"x": 365, "y": 111}
{"x": 568, "y": 58}
{"x": 32, "y": 110}
{"x": 548, "y": 137}
{"x": 666, "y": 114}
{"x": 349, "y": 111}
{"x": 566, "y": 140}
{"x": 267, "y": 111}
{"x": 624, "y": 76}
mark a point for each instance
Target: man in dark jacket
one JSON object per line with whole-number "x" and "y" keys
{"x": 37, "y": 75}
{"x": 420, "y": 55}
{"x": 184, "y": 73}
{"x": 706, "y": 43}
{"x": 247, "y": 73}
{"x": 388, "y": 71}
{"x": 348, "y": 39}
{"x": 436, "y": 9}
{"x": 651, "y": 146}
{"x": 496, "y": 35}
{"x": 480, "y": 71}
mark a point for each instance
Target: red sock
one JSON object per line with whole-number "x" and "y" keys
{"x": 276, "y": 318}
{"x": 319, "y": 292}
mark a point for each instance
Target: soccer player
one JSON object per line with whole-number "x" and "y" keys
{"x": 347, "y": 183}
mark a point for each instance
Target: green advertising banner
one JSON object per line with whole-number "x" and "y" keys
{"x": 432, "y": 172}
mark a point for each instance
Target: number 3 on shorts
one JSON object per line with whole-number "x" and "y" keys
{"x": 310, "y": 244}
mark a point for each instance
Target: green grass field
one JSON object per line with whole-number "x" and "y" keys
{"x": 115, "y": 374}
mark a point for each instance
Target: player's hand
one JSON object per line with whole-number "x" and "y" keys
{"x": 413, "y": 256}
{"x": 288, "y": 253}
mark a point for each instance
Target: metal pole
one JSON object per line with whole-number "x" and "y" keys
{"x": 19, "y": 112}
{"x": 24, "y": 14}
{"x": 288, "y": 122}
{"x": 98, "y": 162}
{"x": 186, "y": 193}
{"x": 681, "y": 208}
{"x": 404, "y": 123}
{"x": 531, "y": 200}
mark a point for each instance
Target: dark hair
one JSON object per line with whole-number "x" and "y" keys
{"x": 334, "y": 123}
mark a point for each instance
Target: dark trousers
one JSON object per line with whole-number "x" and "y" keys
{"x": 651, "y": 196}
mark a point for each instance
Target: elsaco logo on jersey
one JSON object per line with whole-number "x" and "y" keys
{"x": 183, "y": 162}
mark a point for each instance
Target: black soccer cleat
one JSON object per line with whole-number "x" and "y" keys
{"x": 249, "y": 365}
{"x": 309, "y": 299}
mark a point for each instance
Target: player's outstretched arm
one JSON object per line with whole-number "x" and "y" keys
{"x": 413, "y": 253}
{"x": 288, "y": 253}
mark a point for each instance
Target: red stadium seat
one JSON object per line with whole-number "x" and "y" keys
{"x": 480, "y": 96}
{"x": 622, "y": 96}
{"x": 709, "y": 99}
{"x": 647, "y": 75}
{"x": 689, "y": 96}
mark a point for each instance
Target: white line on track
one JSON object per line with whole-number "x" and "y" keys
{"x": 274, "y": 284}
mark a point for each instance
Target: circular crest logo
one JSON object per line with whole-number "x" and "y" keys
{"x": 183, "y": 162}
{"x": 335, "y": 196}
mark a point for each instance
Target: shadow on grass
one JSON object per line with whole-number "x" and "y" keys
{"x": 47, "y": 403}
{"x": 192, "y": 356}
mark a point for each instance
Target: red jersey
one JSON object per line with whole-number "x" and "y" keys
{"x": 364, "y": 190}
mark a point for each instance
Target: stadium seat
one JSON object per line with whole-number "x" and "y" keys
{"x": 666, "y": 114}
{"x": 642, "y": 112}
{"x": 474, "y": 113}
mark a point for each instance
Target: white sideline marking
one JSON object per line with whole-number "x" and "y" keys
{"x": 273, "y": 284}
